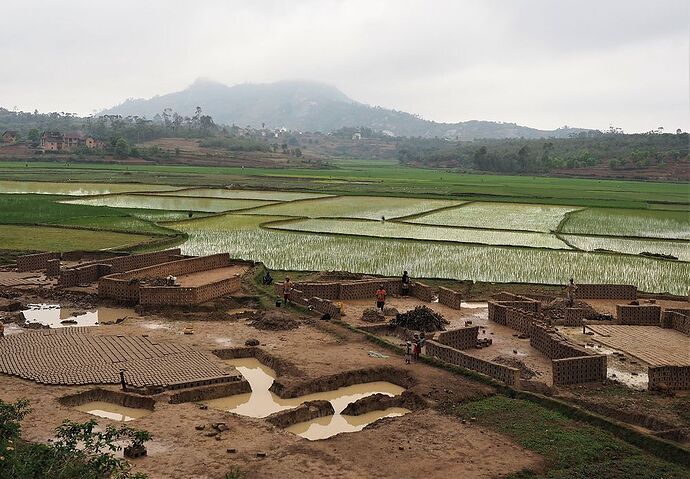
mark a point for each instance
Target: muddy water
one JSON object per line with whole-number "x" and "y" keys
{"x": 112, "y": 411}
{"x": 54, "y": 316}
{"x": 75, "y": 189}
{"x": 474, "y": 305}
{"x": 261, "y": 402}
{"x": 325, "y": 427}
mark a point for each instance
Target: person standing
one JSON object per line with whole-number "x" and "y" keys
{"x": 405, "y": 289}
{"x": 287, "y": 290}
{"x": 380, "y": 298}
{"x": 408, "y": 352}
{"x": 570, "y": 290}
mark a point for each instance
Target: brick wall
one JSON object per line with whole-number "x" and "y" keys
{"x": 322, "y": 290}
{"x": 675, "y": 320}
{"x": 53, "y": 268}
{"x": 578, "y": 370}
{"x": 552, "y": 345}
{"x": 606, "y": 291}
{"x": 422, "y": 291}
{"x": 520, "y": 320}
{"x": 640, "y": 315}
{"x": 450, "y": 298}
{"x": 669, "y": 377}
{"x": 120, "y": 289}
{"x": 35, "y": 262}
{"x": 505, "y": 374}
{"x": 324, "y": 306}
{"x": 463, "y": 338}
{"x": 497, "y": 309}
{"x": 574, "y": 316}
{"x": 346, "y": 290}
{"x": 181, "y": 296}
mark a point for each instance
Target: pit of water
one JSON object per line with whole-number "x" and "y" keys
{"x": 112, "y": 411}
{"x": 261, "y": 402}
{"x": 54, "y": 316}
{"x": 474, "y": 305}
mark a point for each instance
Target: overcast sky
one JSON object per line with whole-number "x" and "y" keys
{"x": 540, "y": 63}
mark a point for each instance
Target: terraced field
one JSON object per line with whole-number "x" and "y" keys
{"x": 246, "y": 194}
{"x": 170, "y": 203}
{"x": 76, "y": 189}
{"x": 624, "y": 222}
{"x": 678, "y": 249}
{"x": 400, "y": 230}
{"x": 243, "y": 237}
{"x": 365, "y": 207}
{"x": 510, "y": 216}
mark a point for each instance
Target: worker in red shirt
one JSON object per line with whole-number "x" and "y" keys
{"x": 380, "y": 298}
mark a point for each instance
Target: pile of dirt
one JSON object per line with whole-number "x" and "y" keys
{"x": 390, "y": 311}
{"x": 421, "y": 318}
{"x": 555, "y": 310}
{"x": 525, "y": 371}
{"x": 335, "y": 276}
{"x": 275, "y": 320}
{"x": 372, "y": 315}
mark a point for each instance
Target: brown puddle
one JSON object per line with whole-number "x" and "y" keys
{"x": 112, "y": 411}
{"x": 54, "y": 316}
{"x": 261, "y": 402}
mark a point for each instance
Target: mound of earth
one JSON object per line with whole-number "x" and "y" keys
{"x": 275, "y": 320}
{"x": 525, "y": 371}
{"x": 555, "y": 310}
{"x": 372, "y": 315}
{"x": 335, "y": 276}
{"x": 421, "y": 318}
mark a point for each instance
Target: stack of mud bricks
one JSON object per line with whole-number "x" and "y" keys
{"x": 35, "y": 262}
{"x": 450, "y": 298}
{"x": 505, "y": 374}
{"x": 669, "y": 377}
{"x": 125, "y": 286}
{"x": 520, "y": 320}
{"x": 463, "y": 338}
{"x": 497, "y": 309}
{"x": 678, "y": 319}
{"x": 571, "y": 363}
{"x": 606, "y": 291}
{"x": 422, "y": 291}
{"x": 639, "y": 314}
{"x": 325, "y": 306}
{"x": 574, "y": 316}
{"x": 53, "y": 268}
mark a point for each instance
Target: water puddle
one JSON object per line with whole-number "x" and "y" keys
{"x": 474, "y": 305}
{"x": 12, "y": 328}
{"x": 112, "y": 411}
{"x": 325, "y": 427}
{"x": 54, "y": 316}
{"x": 261, "y": 402}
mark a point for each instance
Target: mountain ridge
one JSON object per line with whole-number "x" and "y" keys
{"x": 313, "y": 106}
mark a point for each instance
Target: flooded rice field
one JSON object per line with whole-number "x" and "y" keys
{"x": 55, "y": 316}
{"x": 246, "y": 194}
{"x": 261, "y": 402}
{"x": 172, "y": 203}
{"x": 112, "y": 411}
{"x": 76, "y": 189}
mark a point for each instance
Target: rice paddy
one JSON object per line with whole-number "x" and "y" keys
{"x": 242, "y": 237}
{"x": 394, "y": 229}
{"x": 678, "y": 249}
{"x": 635, "y": 223}
{"x": 364, "y": 207}
{"x": 510, "y": 216}
{"x": 172, "y": 203}
{"x": 246, "y": 194}
{"x": 76, "y": 189}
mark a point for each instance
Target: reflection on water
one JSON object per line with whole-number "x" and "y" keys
{"x": 54, "y": 316}
{"x": 474, "y": 305}
{"x": 261, "y": 402}
{"x": 112, "y": 411}
{"x": 324, "y": 427}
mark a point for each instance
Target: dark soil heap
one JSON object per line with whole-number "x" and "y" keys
{"x": 525, "y": 371}
{"x": 556, "y": 310}
{"x": 421, "y": 318}
{"x": 275, "y": 320}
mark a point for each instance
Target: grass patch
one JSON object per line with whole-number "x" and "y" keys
{"x": 572, "y": 449}
{"x": 46, "y": 238}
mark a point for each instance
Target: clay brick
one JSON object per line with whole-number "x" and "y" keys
{"x": 422, "y": 291}
{"x": 35, "y": 262}
{"x": 574, "y": 316}
{"x": 640, "y": 315}
{"x": 463, "y": 338}
{"x": 669, "y": 377}
{"x": 450, "y": 298}
{"x": 606, "y": 291}
{"x": 579, "y": 370}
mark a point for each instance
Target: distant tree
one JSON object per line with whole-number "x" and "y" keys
{"x": 121, "y": 148}
{"x": 34, "y": 136}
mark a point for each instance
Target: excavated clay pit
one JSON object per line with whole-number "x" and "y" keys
{"x": 55, "y": 316}
{"x": 112, "y": 405}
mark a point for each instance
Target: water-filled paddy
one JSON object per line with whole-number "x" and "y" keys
{"x": 246, "y": 194}
{"x": 511, "y": 216}
{"x": 679, "y": 249}
{"x": 54, "y": 316}
{"x": 366, "y": 207}
{"x": 171, "y": 203}
{"x": 391, "y": 229}
{"x": 242, "y": 236}
{"x": 620, "y": 222}
{"x": 76, "y": 189}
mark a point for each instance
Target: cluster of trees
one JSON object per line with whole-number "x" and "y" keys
{"x": 618, "y": 151}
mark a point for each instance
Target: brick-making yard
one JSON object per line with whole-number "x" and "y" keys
{"x": 176, "y": 354}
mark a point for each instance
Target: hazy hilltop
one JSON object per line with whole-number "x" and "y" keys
{"x": 312, "y": 106}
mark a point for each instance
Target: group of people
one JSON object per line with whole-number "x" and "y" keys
{"x": 414, "y": 348}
